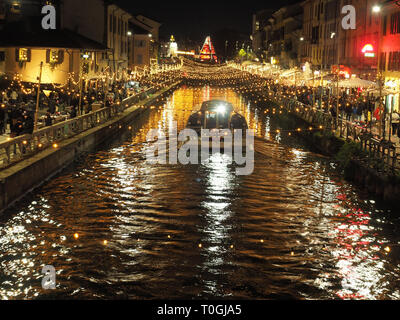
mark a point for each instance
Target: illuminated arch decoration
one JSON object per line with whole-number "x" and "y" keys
{"x": 207, "y": 53}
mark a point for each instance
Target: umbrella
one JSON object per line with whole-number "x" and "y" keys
{"x": 384, "y": 91}
{"x": 357, "y": 83}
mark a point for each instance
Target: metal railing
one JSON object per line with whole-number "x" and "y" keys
{"x": 27, "y": 145}
{"x": 381, "y": 154}
{"x": 22, "y": 147}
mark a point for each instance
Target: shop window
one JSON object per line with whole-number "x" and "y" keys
{"x": 23, "y": 55}
{"x": 139, "y": 43}
{"x": 54, "y": 56}
{"x": 15, "y": 8}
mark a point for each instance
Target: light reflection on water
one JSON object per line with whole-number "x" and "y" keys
{"x": 293, "y": 229}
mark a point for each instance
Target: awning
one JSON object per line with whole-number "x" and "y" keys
{"x": 289, "y": 73}
{"x": 384, "y": 91}
{"x": 357, "y": 83}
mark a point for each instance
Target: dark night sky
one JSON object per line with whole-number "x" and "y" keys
{"x": 197, "y": 19}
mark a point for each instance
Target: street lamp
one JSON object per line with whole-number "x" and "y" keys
{"x": 376, "y": 9}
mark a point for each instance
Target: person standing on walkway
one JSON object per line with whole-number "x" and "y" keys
{"x": 48, "y": 121}
{"x": 4, "y": 97}
{"x": 348, "y": 111}
{"x": 73, "y": 112}
{"x": 14, "y": 96}
{"x": 28, "y": 124}
{"x": 395, "y": 123}
{"x": 2, "y": 120}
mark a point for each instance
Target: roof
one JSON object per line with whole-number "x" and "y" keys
{"x": 215, "y": 104}
{"x": 141, "y": 24}
{"x": 18, "y": 36}
{"x": 148, "y": 21}
{"x": 137, "y": 29}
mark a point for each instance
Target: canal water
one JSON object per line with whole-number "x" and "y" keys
{"x": 115, "y": 226}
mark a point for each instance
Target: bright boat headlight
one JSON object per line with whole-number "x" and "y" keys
{"x": 221, "y": 109}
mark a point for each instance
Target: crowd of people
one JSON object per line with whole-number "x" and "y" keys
{"x": 364, "y": 109}
{"x": 361, "y": 107}
{"x": 18, "y": 106}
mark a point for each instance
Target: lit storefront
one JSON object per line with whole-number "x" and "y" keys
{"x": 393, "y": 98}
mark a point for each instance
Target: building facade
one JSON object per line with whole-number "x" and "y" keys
{"x": 283, "y": 31}
{"x": 144, "y": 49}
{"x": 258, "y": 36}
{"x": 358, "y": 47}
{"x": 389, "y": 52}
{"x": 118, "y": 40}
{"x": 321, "y": 33}
{"x": 65, "y": 54}
{"x": 94, "y": 39}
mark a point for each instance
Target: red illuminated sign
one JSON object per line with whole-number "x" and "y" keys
{"x": 368, "y": 50}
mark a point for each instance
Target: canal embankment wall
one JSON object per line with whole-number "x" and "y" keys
{"x": 353, "y": 167}
{"x": 23, "y": 177}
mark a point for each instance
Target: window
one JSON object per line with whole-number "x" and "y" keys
{"x": 139, "y": 59}
{"x": 315, "y": 35}
{"x": 382, "y": 63}
{"x": 394, "y": 61}
{"x": 54, "y": 56}
{"x": 15, "y": 8}
{"x": 2, "y": 10}
{"x": 71, "y": 63}
{"x": 23, "y": 55}
{"x": 384, "y": 25}
{"x": 2, "y": 56}
{"x": 395, "y": 23}
{"x": 140, "y": 43}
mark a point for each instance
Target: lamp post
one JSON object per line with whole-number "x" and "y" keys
{"x": 376, "y": 9}
{"x": 85, "y": 56}
{"x": 38, "y": 96}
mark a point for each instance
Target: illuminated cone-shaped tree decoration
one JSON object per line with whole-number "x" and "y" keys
{"x": 207, "y": 52}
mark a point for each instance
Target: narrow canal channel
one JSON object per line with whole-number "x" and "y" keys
{"x": 114, "y": 226}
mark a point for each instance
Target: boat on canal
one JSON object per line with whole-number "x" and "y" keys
{"x": 216, "y": 114}
{"x": 216, "y": 120}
